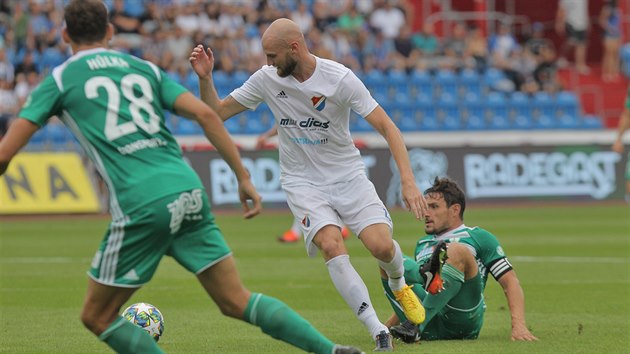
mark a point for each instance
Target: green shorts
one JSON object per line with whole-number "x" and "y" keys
{"x": 180, "y": 226}
{"x": 461, "y": 318}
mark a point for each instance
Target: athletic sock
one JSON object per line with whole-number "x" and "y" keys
{"x": 394, "y": 269}
{"x": 279, "y": 321}
{"x": 125, "y": 337}
{"x": 352, "y": 288}
{"x": 453, "y": 281}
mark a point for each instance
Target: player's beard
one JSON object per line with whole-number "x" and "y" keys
{"x": 288, "y": 67}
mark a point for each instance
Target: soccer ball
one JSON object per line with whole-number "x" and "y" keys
{"x": 147, "y": 317}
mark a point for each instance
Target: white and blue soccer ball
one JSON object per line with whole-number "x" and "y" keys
{"x": 147, "y": 317}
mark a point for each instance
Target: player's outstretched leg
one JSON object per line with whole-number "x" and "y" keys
{"x": 431, "y": 271}
{"x": 279, "y": 321}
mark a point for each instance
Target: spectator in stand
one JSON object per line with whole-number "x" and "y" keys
{"x": 380, "y": 49}
{"x": 20, "y": 21}
{"x": 546, "y": 73}
{"x": 303, "y": 17}
{"x": 25, "y": 84}
{"x": 8, "y": 104}
{"x": 403, "y": 48}
{"x": 501, "y": 45}
{"x": 127, "y": 28}
{"x": 426, "y": 41}
{"x": 388, "y": 19}
{"x": 572, "y": 22}
{"x": 454, "y": 48}
{"x": 537, "y": 40}
{"x": 610, "y": 21}
{"x": 351, "y": 21}
{"x": 155, "y": 49}
{"x": 477, "y": 48}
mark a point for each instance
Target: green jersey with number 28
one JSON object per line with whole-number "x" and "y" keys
{"x": 114, "y": 105}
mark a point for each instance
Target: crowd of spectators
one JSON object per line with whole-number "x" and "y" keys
{"x": 364, "y": 35}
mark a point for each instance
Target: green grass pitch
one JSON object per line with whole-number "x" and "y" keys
{"x": 573, "y": 263}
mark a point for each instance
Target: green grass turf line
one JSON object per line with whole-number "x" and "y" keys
{"x": 573, "y": 263}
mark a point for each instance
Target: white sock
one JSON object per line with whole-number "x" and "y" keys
{"x": 352, "y": 288}
{"x": 395, "y": 269}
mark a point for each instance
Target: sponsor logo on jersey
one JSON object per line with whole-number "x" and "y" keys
{"x": 282, "y": 94}
{"x": 308, "y": 123}
{"x": 319, "y": 102}
{"x": 306, "y": 221}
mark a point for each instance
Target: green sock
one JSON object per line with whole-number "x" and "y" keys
{"x": 453, "y": 280}
{"x": 279, "y": 321}
{"x": 125, "y": 337}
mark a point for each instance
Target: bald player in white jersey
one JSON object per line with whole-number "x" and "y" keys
{"x": 322, "y": 172}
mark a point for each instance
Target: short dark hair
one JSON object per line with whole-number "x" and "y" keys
{"x": 86, "y": 21}
{"x": 450, "y": 191}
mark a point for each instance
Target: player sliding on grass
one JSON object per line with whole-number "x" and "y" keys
{"x": 114, "y": 104}
{"x": 450, "y": 271}
{"x": 322, "y": 172}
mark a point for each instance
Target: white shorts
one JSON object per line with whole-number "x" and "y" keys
{"x": 353, "y": 203}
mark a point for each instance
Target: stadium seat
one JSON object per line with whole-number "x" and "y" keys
{"x": 475, "y": 122}
{"x": 397, "y": 83}
{"x": 429, "y": 123}
{"x": 522, "y": 122}
{"x": 447, "y": 106}
{"x": 470, "y": 82}
{"x": 451, "y": 123}
{"x": 568, "y": 121}
{"x": 496, "y": 104}
{"x": 543, "y": 122}
{"x": 495, "y": 79}
{"x": 446, "y": 81}
{"x": 239, "y": 77}
{"x": 519, "y": 104}
{"x": 543, "y": 104}
{"x": 567, "y": 103}
{"x": 359, "y": 124}
{"x": 591, "y": 122}
{"x": 472, "y": 105}
{"x": 187, "y": 127}
{"x": 499, "y": 122}
{"x": 421, "y": 83}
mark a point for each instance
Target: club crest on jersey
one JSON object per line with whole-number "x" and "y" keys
{"x": 306, "y": 222}
{"x": 319, "y": 102}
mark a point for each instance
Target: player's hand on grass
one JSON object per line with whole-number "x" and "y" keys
{"x": 522, "y": 333}
{"x": 202, "y": 61}
{"x": 414, "y": 200}
{"x": 250, "y": 199}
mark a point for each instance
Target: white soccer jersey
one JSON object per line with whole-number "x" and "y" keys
{"x": 313, "y": 120}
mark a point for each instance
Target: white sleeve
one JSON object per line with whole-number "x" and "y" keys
{"x": 250, "y": 94}
{"x": 352, "y": 90}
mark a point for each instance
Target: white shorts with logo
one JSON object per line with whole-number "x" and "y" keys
{"x": 354, "y": 203}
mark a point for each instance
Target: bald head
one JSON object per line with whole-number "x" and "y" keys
{"x": 283, "y": 30}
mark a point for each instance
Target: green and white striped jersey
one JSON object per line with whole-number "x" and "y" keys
{"x": 484, "y": 246}
{"x": 114, "y": 104}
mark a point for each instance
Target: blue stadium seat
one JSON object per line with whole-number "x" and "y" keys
{"x": 543, "y": 104}
{"x": 568, "y": 121}
{"x": 429, "y": 123}
{"x": 475, "y": 122}
{"x": 523, "y": 122}
{"x": 493, "y": 78}
{"x": 519, "y": 104}
{"x": 591, "y": 122}
{"x": 397, "y": 83}
{"x": 499, "y": 122}
{"x": 470, "y": 82}
{"x": 472, "y": 105}
{"x": 447, "y": 106}
{"x": 544, "y": 122}
{"x": 421, "y": 83}
{"x": 446, "y": 80}
{"x": 567, "y": 103}
{"x": 239, "y": 77}
{"x": 187, "y": 127}
{"x": 359, "y": 124}
{"x": 496, "y": 104}
{"x": 451, "y": 123}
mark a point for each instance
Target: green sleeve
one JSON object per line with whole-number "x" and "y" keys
{"x": 169, "y": 90}
{"x": 43, "y": 103}
{"x": 490, "y": 249}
